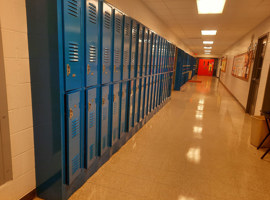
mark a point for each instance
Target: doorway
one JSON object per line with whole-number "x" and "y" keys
{"x": 206, "y": 67}
{"x": 256, "y": 74}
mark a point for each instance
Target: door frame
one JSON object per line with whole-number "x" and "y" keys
{"x": 251, "y": 86}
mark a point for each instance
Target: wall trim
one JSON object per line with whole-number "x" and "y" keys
{"x": 30, "y": 196}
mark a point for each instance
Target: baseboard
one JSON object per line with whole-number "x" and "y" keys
{"x": 30, "y": 196}
{"x": 243, "y": 107}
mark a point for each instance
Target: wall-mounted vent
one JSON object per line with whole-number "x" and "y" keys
{"x": 92, "y": 14}
{"x": 73, "y": 8}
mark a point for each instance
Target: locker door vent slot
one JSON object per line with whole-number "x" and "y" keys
{"x": 117, "y": 57}
{"x": 91, "y": 151}
{"x": 73, "y": 8}
{"x": 92, "y": 13}
{"x": 106, "y": 55}
{"x": 127, "y": 29}
{"x": 126, "y": 57}
{"x": 92, "y": 54}
{"x": 134, "y": 32}
{"x": 107, "y": 21}
{"x": 75, "y": 128}
{"x": 73, "y": 52}
{"x": 75, "y": 163}
{"x": 118, "y": 25}
{"x": 104, "y": 117}
{"x": 92, "y": 119}
{"x": 132, "y": 58}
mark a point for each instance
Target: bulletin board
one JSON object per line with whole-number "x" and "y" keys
{"x": 241, "y": 65}
{"x": 223, "y": 64}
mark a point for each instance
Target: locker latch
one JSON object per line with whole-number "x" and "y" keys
{"x": 88, "y": 69}
{"x": 70, "y": 113}
{"x": 89, "y": 106}
{"x": 68, "y": 69}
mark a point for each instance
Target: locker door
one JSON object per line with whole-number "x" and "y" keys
{"x": 138, "y": 70}
{"x": 157, "y": 54}
{"x": 104, "y": 119}
{"x": 149, "y": 53}
{"x": 153, "y": 57}
{"x": 151, "y": 78}
{"x": 92, "y": 40}
{"x": 146, "y": 96}
{"x": 154, "y": 92}
{"x": 74, "y": 50}
{"x": 91, "y": 124}
{"x": 73, "y": 138}
{"x": 157, "y": 90}
{"x": 123, "y": 108}
{"x": 145, "y": 52}
{"x": 132, "y": 88}
{"x": 142, "y": 97}
{"x": 106, "y": 43}
{"x": 137, "y": 101}
{"x": 115, "y": 113}
{"x": 126, "y": 51}
{"x": 134, "y": 47}
{"x": 118, "y": 40}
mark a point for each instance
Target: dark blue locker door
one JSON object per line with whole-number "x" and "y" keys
{"x": 73, "y": 138}
{"x": 147, "y": 80}
{"x": 150, "y": 94}
{"x": 106, "y": 43}
{"x": 149, "y": 53}
{"x": 154, "y": 50}
{"x": 126, "y": 51}
{"x": 74, "y": 50}
{"x": 157, "y": 54}
{"x": 118, "y": 40}
{"x": 115, "y": 112}
{"x": 154, "y": 92}
{"x": 157, "y": 92}
{"x": 137, "y": 101}
{"x": 124, "y": 112}
{"x": 104, "y": 119}
{"x": 134, "y": 47}
{"x": 132, "y": 88}
{"x": 159, "y": 60}
{"x": 138, "y": 70}
{"x": 145, "y": 52}
{"x": 142, "y": 94}
{"x": 91, "y": 124}
{"x": 92, "y": 40}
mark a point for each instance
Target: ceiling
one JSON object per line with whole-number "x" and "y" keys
{"x": 181, "y": 18}
{"x": 238, "y": 18}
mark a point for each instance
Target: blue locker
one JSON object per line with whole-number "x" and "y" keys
{"x": 137, "y": 101}
{"x": 142, "y": 98}
{"x": 153, "y": 54}
{"x": 153, "y": 92}
{"x": 145, "y": 52}
{"x": 117, "y": 45}
{"x": 147, "y": 88}
{"x": 92, "y": 101}
{"x": 157, "y": 54}
{"x": 132, "y": 89}
{"x": 126, "y": 50}
{"x": 134, "y": 49}
{"x": 138, "y": 70}
{"x": 74, "y": 48}
{"x": 107, "y": 31}
{"x": 149, "y": 52}
{"x": 115, "y": 112}
{"x": 158, "y": 89}
{"x": 73, "y": 138}
{"x": 92, "y": 43}
{"x": 124, "y": 113}
{"x": 150, "y": 94}
{"x": 105, "y": 99}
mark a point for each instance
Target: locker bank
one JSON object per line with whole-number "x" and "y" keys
{"x": 121, "y": 99}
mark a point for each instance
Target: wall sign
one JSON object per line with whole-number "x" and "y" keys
{"x": 223, "y": 64}
{"x": 241, "y": 65}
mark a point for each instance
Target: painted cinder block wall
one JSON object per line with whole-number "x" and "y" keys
{"x": 13, "y": 27}
{"x": 240, "y": 88}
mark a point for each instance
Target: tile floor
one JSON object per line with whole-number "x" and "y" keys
{"x": 196, "y": 148}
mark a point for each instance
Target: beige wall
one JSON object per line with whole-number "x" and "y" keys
{"x": 16, "y": 62}
{"x": 238, "y": 87}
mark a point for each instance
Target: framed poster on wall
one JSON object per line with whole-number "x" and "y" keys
{"x": 223, "y": 64}
{"x": 241, "y": 65}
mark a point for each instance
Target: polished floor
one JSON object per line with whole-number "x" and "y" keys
{"x": 196, "y": 148}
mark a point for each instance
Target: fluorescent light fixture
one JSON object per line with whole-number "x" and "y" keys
{"x": 210, "y": 6}
{"x": 207, "y": 47}
{"x": 209, "y": 32}
{"x": 208, "y": 42}
{"x": 207, "y": 51}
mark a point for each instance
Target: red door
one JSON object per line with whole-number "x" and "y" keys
{"x": 206, "y": 67}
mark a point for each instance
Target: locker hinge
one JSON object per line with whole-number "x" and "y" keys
{"x": 88, "y": 69}
{"x": 68, "y": 69}
{"x": 70, "y": 113}
{"x": 89, "y": 106}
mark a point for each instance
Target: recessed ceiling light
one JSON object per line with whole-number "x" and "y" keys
{"x": 210, "y": 6}
{"x": 207, "y": 47}
{"x": 207, "y": 50}
{"x": 207, "y": 53}
{"x": 209, "y": 32}
{"x": 208, "y": 42}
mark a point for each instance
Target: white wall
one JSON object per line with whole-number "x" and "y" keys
{"x": 16, "y": 61}
{"x": 238, "y": 87}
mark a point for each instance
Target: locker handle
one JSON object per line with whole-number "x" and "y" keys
{"x": 103, "y": 68}
{"x": 88, "y": 69}
{"x": 70, "y": 113}
{"x": 103, "y": 101}
{"x": 114, "y": 68}
{"x": 68, "y": 70}
{"x": 113, "y": 98}
{"x": 89, "y": 106}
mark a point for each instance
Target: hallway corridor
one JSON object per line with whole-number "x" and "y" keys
{"x": 200, "y": 151}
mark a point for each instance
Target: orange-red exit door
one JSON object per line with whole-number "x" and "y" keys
{"x": 206, "y": 67}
